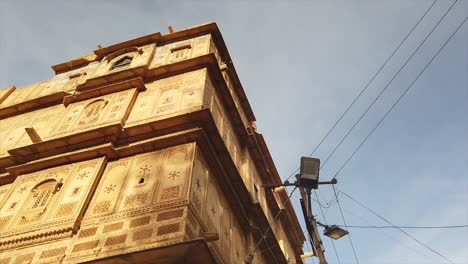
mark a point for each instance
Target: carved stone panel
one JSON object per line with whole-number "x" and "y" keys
{"x": 199, "y": 185}
{"x": 68, "y": 81}
{"x": 48, "y": 202}
{"x": 223, "y": 122}
{"x": 99, "y": 111}
{"x": 165, "y": 97}
{"x": 10, "y": 136}
{"x": 181, "y": 50}
{"x": 175, "y": 178}
{"x": 12, "y": 129}
{"x": 143, "y": 183}
{"x": 215, "y": 212}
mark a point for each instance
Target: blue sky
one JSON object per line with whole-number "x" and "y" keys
{"x": 301, "y": 64}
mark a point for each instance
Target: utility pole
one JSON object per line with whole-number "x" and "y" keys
{"x": 306, "y": 181}
{"x": 311, "y": 225}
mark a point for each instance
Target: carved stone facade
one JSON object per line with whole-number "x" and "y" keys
{"x": 145, "y": 151}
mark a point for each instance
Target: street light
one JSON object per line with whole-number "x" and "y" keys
{"x": 309, "y": 173}
{"x": 308, "y": 179}
{"x": 333, "y": 231}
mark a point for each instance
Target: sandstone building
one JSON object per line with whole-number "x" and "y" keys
{"x": 145, "y": 151}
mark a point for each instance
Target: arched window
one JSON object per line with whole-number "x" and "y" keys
{"x": 38, "y": 200}
{"x": 42, "y": 194}
{"x": 122, "y": 63}
{"x": 92, "y": 111}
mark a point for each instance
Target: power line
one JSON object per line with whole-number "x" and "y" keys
{"x": 401, "y": 96}
{"x": 325, "y": 221}
{"x": 393, "y": 106}
{"x": 409, "y": 227}
{"x": 264, "y": 234}
{"x": 388, "y": 84}
{"x": 344, "y": 222}
{"x": 387, "y": 234}
{"x": 367, "y": 85}
{"x": 400, "y": 229}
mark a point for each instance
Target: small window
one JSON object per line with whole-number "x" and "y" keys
{"x": 122, "y": 63}
{"x": 140, "y": 181}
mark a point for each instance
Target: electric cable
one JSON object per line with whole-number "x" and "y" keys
{"x": 394, "y": 105}
{"x": 325, "y": 221}
{"x": 313, "y": 261}
{"x": 344, "y": 222}
{"x": 399, "y": 98}
{"x": 400, "y": 229}
{"x": 409, "y": 227}
{"x": 387, "y": 85}
{"x": 264, "y": 234}
{"x": 367, "y": 85}
{"x": 389, "y": 235}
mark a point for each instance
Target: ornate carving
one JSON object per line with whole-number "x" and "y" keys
{"x": 102, "y": 207}
{"x": 170, "y": 193}
{"x": 85, "y": 246}
{"x": 170, "y": 215}
{"x": 87, "y": 232}
{"x": 197, "y": 183}
{"x": 83, "y": 175}
{"x": 168, "y": 229}
{"x": 135, "y": 200}
{"x": 30, "y": 218}
{"x": 53, "y": 252}
{"x": 213, "y": 210}
{"x": 115, "y": 240}
{"x": 145, "y": 169}
{"x": 110, "y": 188}
{"x": 12, "y": 205}
{"x": 173, "y": 175}
{"x": 142, "y": 234}
{"x": 92, "y": 112}
{"x": 66, "y": 209}
{"x": 4, "y": 221}
{"x": 112, "y": 227}
{"x": 196, "y": 203}
{"x": 140, "y": 221}
{"x": 76, "y": 191}
{"x": 22, "y": 189}
{"x": 25, "y": 258}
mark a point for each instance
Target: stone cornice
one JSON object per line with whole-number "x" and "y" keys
{"x": 36, "y": 103}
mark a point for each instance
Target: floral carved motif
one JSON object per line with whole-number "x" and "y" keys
{"x": 173, "y": 175}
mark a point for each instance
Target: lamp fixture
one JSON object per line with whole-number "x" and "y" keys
{"x": 333, "y": 231}
{"x": 309, "y": 172}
